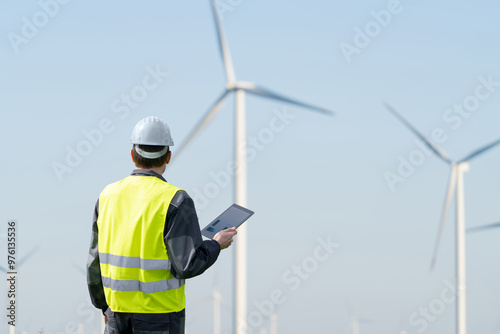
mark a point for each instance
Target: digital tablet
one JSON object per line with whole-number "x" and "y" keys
{"x": 234, "y": 216}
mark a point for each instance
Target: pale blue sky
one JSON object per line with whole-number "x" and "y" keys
{"x": 321, "y": 176}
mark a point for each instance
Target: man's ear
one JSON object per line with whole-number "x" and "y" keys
{"x": 169, "y": 155}
{"x": 132, "y": 155}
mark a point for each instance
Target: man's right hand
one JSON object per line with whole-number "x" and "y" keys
{"x": 225, "y": 237}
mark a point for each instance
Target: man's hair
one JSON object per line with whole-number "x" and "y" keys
{"x": 142, "y": 162}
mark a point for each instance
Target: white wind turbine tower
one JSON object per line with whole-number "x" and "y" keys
{"x": 239, "y": 88}
{"x": 274, "y": 324}
{"x": 217, "y": 302}
{"x": 355, "y": 322}
{"x": 401, "y": 326}
{"x": 455, "y": 187}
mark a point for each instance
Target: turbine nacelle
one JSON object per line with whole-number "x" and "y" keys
{"x": 464, "y": 166}
{"x": 235, "y": 85}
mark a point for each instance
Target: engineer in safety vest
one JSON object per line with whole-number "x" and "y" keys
{"x": 146, "y": 241}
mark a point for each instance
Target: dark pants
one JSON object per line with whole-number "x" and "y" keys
{"x": 140, "y": 323}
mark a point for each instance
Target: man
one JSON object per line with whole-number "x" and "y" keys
{"x": 146, "y": 241}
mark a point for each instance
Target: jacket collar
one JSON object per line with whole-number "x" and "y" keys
{"x": 147, "y": 172}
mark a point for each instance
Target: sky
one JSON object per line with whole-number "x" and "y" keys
{"x": 347, "y": 207}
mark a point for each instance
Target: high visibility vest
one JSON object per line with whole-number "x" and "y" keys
{"x": 135, "y": 268}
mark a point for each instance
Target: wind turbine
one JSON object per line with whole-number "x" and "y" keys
{"x": 217, "y": 301}
{"x": 455, "y": 187}
{"x": 355, "y": 321}
{"x": 240, "y": 88}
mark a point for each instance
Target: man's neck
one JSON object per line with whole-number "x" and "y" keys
{"x": 159, "y": 170}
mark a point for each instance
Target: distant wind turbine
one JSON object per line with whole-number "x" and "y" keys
{"x": 401, "y": 326}
{"x": 355, "y": 321}
{"x": 217, "y": 301}
{"x": 274, "y": 324}
{"x": 239, "y": 88}
{"x": 455, "y": 187}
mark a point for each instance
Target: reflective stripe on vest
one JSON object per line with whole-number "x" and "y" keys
{"x": 135, "y": 267}
{"x": 134, "y": 262}
{"x": 136, "y": 285}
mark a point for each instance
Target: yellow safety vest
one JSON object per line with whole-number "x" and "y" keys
{"x": 135, "y": 268}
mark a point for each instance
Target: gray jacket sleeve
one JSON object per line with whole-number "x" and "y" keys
{"x": 189, "y": 255}
{"x": 94, "y": 280}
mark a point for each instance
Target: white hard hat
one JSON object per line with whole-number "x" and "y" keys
{"x": 151, "y": 131}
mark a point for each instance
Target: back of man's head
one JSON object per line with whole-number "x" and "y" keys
{"x": 140, "y": 154}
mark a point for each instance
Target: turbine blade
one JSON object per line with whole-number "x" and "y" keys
{"x": 203, "y": 122}
{"x": 27, "y": 256}
{"x": 80, "y": 269}
{"x": 480, "y": 151}
{"x": 271, "y": 95}
{"x": 440, "y": 153}
{"x": 224, "y": 48}
{"x": 483, "y": 227}
{"x": 449, "y": 196}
